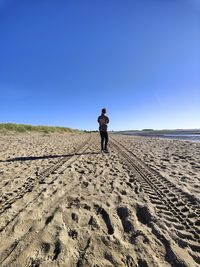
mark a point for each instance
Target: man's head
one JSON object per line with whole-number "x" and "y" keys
{"x": 103, "y": 111}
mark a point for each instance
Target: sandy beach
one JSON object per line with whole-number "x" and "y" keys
{"x": 63, "y": 203}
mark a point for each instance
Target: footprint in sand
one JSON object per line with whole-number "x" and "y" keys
{"x": 106, "y": 218}
{"x": 123, "y": 214}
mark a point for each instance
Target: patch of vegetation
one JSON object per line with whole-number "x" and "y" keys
{"x": 21, "y": 128}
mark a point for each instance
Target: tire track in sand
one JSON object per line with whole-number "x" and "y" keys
{"x": 28, "y": 186}
{"x": 25, "y": 240}
{"x": 177, "y": 208}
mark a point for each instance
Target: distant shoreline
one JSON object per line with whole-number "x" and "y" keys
{"x": 187, "y": 135}
{"x": 160, "y": 132}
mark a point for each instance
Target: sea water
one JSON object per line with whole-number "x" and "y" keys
{"x": 188, "y": 137}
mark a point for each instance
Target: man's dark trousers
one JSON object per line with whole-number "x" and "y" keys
{"x": 104, "y": 137}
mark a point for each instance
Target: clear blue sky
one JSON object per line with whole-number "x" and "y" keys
{"x": 62, "y": 61}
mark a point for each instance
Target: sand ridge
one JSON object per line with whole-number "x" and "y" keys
{"x": 63, "y": 203}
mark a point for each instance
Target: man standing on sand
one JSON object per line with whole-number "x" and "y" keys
{"x": 103, "y": 120}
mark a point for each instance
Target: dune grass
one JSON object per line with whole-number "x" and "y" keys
{"x": 22, "y": 128}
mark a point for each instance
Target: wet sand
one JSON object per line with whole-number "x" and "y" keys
{"x": 63, "y": 203}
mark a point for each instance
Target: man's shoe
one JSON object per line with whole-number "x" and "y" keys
{"x": 106, "y": 151}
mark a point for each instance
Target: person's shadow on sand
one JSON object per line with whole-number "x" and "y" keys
{"x": 48, "y": 156}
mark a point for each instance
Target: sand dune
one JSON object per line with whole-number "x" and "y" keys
{"x": 63, "y": 203}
